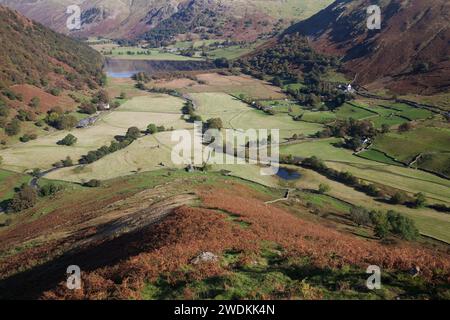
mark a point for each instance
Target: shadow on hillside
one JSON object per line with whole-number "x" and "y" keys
{"x": 30, "y": 284}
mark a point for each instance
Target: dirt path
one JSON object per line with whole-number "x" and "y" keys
{"x": 286, "y": 197}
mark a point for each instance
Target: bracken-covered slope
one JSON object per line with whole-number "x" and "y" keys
{"x": 240, "y": 19}
{"x": 148, "y": 245}
{"x": 33, "y": 54}
{"x": 411, "y": 52}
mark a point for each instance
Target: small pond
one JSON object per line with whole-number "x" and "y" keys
{"x": 288, "y": 174}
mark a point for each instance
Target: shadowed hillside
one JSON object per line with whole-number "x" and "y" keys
{"x": 33, "y": 54}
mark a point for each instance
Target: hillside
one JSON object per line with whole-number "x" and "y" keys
{"x": 33, "y": 54}
{"x": 410, "y": 54}
{"x": 118, "y": 19}
{"x": 196, "y": 236}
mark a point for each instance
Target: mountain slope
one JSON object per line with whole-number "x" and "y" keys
{"x": 411, "y": 52}
{"x": 117, "y": 19}
{"x": 32, "y": 54}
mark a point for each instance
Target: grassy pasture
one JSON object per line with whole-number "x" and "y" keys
{"x": 353, "y": 111}
{"x": 238, "y": 115}
{"x": 378, "y": 156}
{"x": 123, "y": 53}
{"x": 428, "y": 221}
{"x": 409, "y": 180}
{"x": 214, "y": 82}
{"x": 406, "y": 146}
{"x": 139, "y": 111}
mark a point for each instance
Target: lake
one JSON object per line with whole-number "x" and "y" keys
{"x": 122, "y": 68}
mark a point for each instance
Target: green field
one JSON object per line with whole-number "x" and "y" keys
{"x": 155, "y": 54}
{"x": 378, "y": 156}
{"x": 232, "y": 52}
{"x": 406, "y": 146}
{"x": 409, "y": 180}
{"x": 352, "y": 110}
{"x": 139, "y": 111}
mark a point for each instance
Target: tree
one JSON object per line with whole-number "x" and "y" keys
{"x": 66, "y": 122}
{"x": 13, "y": 128}
{"x": 379, "y": 220}
{"x": 399, "y": 198}
{"x": 68, "y": 162}
{"x": 68, "y": 140}
{"x": 133, "y": 133}
{"x": 360, "y": 216}
{"x": 277, "y": 81}
{"x": 152, "y": 129}
{"x": 101, "y": 97}
{"x": 49, "y": 189}
{"x": 402, "y": 226}
{"x": 420, "y": 200}
{"x": 385, "y": 128}
{"x": 24, "y": 199}
{"x": 324, "y": 188}
{"x": 215, "y": 123}
{"x": 88, "y": 108}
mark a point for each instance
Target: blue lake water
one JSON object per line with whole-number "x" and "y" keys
{"x": 288, "y": 174}
{"x": 121, "y": 75}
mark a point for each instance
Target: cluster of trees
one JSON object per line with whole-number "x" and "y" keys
{"x": 354, "y": 132}
{"x": 67, "y": 162}
{"x": 195, "y": 17}
{"x": 26, "y": 196}
{"x": 153, "y": 129}
{"x": 189, "y": 110}
{"x": 385, "y": 224}
{"x": 132, "y": 134}
{"x": 60, "y": 120}
{"x": 68, "y": 140}
{"x": 142, "y": 77}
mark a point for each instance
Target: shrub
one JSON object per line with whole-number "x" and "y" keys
{"x": 35, "y": 102}
{"x": 88, "y": 108}
{"x": 133, "y": 133}
{"x": 13, "y": 128}
{"x": 420, "y": 200}
{"x": 49, "y": 190}
{"x": 398, "y": 198}
{"x": 324, "y": 188}
{"x": 405, "y": 127}
{"x": 68, "y": 140}
{"x": 93, "y": 183}
{"x": 55, "y": 91}
{"x": 68, "y": 162}
{"x": 24, "y": 199}
{"x": 402, "y": 226}
{"x": 28, "y": 137}
{"x": 152, "y": 129}
{"x": 360, "y": 216}
{"x": 214, "y": 123}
